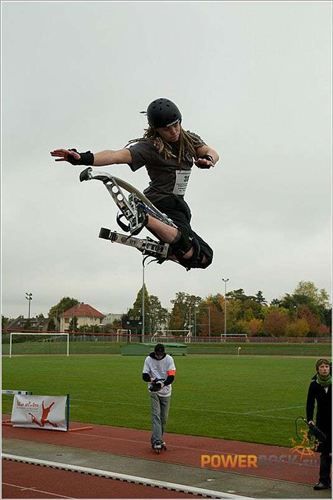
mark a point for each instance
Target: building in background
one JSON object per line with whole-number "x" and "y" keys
{"x": 82, "y": 314}
{"x": 110, "y": 318}
{"x": 21, "y": 324}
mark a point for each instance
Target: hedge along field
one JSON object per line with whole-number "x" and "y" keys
{"x": 246, "y": 398}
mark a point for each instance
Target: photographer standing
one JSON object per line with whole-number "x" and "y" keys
{"x": 159, "y": 371}
{"x": 320, "y": 392}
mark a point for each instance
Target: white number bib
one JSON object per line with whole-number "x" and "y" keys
{"x": 182, "y": 177}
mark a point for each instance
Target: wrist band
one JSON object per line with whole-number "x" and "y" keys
{"x": 86, "y": 158}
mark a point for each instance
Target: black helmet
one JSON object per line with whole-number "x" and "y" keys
{"x": 163, "y": 113}
{"x": 159, "y": 349}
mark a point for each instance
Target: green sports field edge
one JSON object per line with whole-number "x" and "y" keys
{"x": 247, "y": 348}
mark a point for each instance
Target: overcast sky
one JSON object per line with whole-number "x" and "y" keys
{"x": 251, "y": 78}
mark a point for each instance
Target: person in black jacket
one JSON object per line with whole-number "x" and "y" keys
{"x": 320, "y": 395}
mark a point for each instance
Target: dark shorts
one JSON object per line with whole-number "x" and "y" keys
{"x": 178, "y": 210}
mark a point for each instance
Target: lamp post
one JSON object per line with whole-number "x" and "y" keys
{"x": 195, "y": 321}
{"x": 28, "y": 296}
{"x": 190, "y": 319}
{"x": 225, "y": 280}
{"x": 143, "y": 295}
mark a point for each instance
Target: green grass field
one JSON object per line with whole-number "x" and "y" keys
{"x": 247, "y": 398}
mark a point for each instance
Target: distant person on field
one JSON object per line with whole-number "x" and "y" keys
{"x": 320, "y": 396}
{"x": 159, "y": 371}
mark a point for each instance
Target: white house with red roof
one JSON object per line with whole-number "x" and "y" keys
{"x": 86, "y": 316}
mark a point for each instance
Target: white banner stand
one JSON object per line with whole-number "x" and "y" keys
{"x": 40, "y": 412}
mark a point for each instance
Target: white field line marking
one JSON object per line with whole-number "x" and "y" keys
{"x": 220, "y": 412}
{"x": 273, "y": 409}
{"x": 273, "y": 416}
{"x": 128, "y": 478}
{"x": 22, "y": 488}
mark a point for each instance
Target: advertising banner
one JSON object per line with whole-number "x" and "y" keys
{"x": 41, "y": 412}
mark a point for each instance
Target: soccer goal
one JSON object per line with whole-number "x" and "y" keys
{"x": 162, "y": 335}
{"x": 124, "y": 334}
{"x": 21, "y": 343}
{"x": 241, "y": 337}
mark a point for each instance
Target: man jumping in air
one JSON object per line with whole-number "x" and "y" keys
{"x": 168, "y": 152}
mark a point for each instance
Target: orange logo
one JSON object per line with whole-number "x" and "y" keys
{"x": 303, "y": 446}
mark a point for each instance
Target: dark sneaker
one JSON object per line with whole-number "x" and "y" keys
{"x": 321, "y": 486}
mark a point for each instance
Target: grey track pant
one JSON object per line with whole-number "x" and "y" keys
{"x": 159, "y": 416}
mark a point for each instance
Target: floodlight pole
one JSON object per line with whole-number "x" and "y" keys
{"x": 225, "y": 280}
{"x": 144, "y": 258}
{"x": 195, "y": 322}
{"x": 208, "y": 308}
{"x": 28, "y": 296}
{"x": 190, "y": 319}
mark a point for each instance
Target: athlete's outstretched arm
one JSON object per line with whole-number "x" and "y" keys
{"x": 102, "y": 158}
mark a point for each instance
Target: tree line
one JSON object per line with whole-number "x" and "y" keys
{"x": 304, "y": 313}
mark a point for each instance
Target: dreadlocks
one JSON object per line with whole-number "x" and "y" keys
{"x": 186, "y": 144}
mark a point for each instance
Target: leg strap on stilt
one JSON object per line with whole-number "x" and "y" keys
{"x": 137, "y": 220}
{"x": 146, "y": 246}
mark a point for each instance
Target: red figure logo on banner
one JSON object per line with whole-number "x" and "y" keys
{"x": 44, "y": 419}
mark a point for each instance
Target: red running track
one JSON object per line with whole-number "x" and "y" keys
{"x": 274, "y": 462}
{"x": 32, "y": 481}
{"x": 29, "y": 481}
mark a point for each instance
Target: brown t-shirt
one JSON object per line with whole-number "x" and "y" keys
{"x": 167, "y": 176}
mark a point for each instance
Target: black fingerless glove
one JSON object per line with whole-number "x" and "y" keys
{"x": 206, "y": 157}
{"x": 87, "y": 158}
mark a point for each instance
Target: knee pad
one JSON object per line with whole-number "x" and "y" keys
{"x": 207, "y": 256}
{"x": 202, "y": 256}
